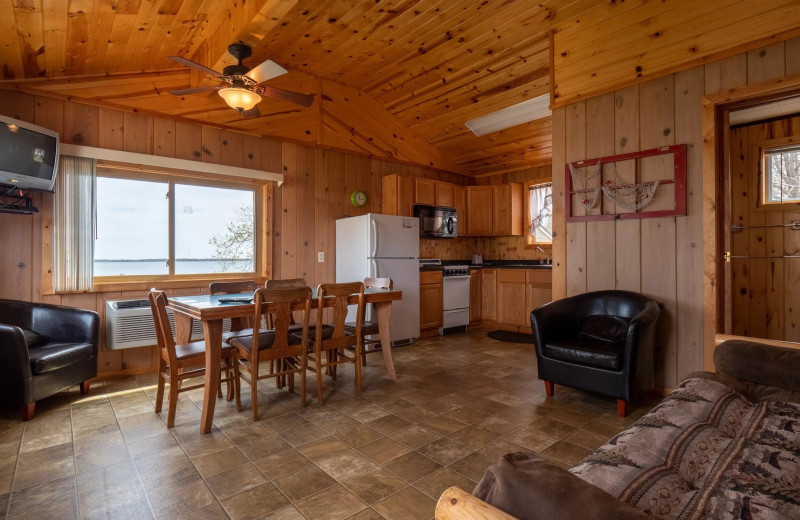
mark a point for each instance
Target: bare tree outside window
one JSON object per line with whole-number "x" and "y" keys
{"x": 783, "y": 175}
{"x": 234, "y": 248}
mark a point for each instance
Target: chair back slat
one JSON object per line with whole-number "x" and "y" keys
{"x": 289, "y": 283}
{"x": 283, "y": 300}
{"x": 164, "y": 337}
{"x": 378, "y": 283}
{"x": 341, "y": 292}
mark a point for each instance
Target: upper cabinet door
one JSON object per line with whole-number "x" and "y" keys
{"x": 460, "y": 205}
{"x": 425, "y": 192}
{"x": 507, "y": 209}
{"x": 479, "y": 210}
{"x": 444, "y": 194}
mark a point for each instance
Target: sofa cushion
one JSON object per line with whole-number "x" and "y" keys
{"x": 530, "y": 487}
{"x": 32, "y": 337}
{"x": 52, "y": 355}
{"x": 601, "y": 354}
{"x": 600, "y": 327}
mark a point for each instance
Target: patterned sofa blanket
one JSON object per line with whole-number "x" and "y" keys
{"x": 705, "y": 452}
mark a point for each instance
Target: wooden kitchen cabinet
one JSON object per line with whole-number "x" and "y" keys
{"x": 538, "y": 289}
{"x": 507, "y": 209}
{"x": 474, "y": 295}
{"x": 444, "y": 194}
{"x": 424, "y": 191}
{"x": 460, "y": 205}
{"x": 431, "y": 303}
{"x": 479, "y": 210}
{"x": 397, "y": 197}
{"x": 489, "y": 295}
{"x": 511, "y": 307}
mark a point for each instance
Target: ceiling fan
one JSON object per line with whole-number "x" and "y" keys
{"x": 242, "y": 87}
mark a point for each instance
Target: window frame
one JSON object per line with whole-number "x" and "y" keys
{"x": 261, "y": 195}
{"x": 761, "y": 150}
{"x": 530, "y": 240}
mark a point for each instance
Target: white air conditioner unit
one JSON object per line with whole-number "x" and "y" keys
{"x": 129, "y": 324}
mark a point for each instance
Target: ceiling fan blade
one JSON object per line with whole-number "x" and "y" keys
{"x": 192, "y": 90}
{"x": 287, "y": 95}
{"x": 190, "y": 63}
{"x": 267, "y": 70}
{"x": 253, "y": 112}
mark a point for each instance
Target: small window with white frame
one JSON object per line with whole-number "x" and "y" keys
{"x": 540, "y": 212}
{"x": 780, "y": 179}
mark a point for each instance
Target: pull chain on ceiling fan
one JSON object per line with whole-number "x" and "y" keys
{"x": 242, "y": 89}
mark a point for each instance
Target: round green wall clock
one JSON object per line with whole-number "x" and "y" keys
{"x": 358, "y": 198}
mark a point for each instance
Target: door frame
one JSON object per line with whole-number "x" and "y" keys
{"x": 716, "y": 129}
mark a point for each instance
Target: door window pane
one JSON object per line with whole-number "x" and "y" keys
{"x": 214, "y": 230}
{"x": 132, "y": 228}
{"x": 541, "y": 217}
{"x": 783, "y": 175}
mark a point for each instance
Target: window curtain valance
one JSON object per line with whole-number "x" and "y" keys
{"x": 74, "y": 216}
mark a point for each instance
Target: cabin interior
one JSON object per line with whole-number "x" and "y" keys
{"x": 393, "y": 84}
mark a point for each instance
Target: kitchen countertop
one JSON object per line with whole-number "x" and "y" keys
{"x": 492, "y": 264}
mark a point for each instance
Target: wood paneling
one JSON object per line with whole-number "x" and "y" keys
{"x": 663, "y": 257}
{"x": 615, "y": 44}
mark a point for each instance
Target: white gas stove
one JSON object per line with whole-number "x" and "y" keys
{"x": 455, "y": 294}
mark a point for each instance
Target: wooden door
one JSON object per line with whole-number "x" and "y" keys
{"x": 489, "y": 295}
{"x": 539, "y": 289}
{"x": 460, "y": 205}
{"x": 424, "y": 192}
{"x": 405, "y": 192}
{"x": 444, "y": 194}
{"x": 511, "y": 306}
{"x": 474, "y": 295}
{"x": 507, "y": 209}
{"x": 479, "y": 210}
{"x": 431, "y": 303}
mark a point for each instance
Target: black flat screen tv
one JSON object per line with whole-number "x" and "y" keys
{"x": 28, "y": 155}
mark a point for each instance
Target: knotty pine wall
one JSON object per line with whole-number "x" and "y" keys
{"x": 316, "y": 192}
{"x": 764, "y": 290}
{"x": 658, "y": 257}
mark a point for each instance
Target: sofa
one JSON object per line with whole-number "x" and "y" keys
{"x": 601, "y": 341}
{"x": 721, "y": 445}
{"x": 44, "y": 349}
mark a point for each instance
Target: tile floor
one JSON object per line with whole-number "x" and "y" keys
{"x": 460, "y": 402}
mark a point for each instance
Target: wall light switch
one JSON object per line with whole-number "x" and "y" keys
{"x": 321, "y": 256}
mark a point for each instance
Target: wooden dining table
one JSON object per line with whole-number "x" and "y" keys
{"x": 210, "y": 311}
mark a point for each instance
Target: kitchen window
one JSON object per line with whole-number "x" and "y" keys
{"x": 156, "y": 226}
{"x": 780, "y": 179}
{"x": 539, "y": 203}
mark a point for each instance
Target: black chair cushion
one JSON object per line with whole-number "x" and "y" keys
{"x": 227, "y": 337}
{"x": 32, "y": 337}
{"x": 46, "y": 357}
{"x": 266, "y": 340}
{"x": 600, "y": 354}
{"x": 601, "y": 327}
{"x": 367, "y": 327}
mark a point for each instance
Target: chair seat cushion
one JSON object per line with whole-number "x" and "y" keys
{"x": 52, "y": 355}
{"x": 601, "y": 327}
{"x": 227, "y": 337}
{"x": 266, "y": 340}
{"x": 367, "y": 327}
{"x": 600, "y": 354}
{"x": 327, "y": 332}
{"x": 194, "y": 349}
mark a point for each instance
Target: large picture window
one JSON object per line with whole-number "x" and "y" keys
{"x": 155, "y": 226}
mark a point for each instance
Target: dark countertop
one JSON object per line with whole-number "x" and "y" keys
{"x": 492, "y": 264}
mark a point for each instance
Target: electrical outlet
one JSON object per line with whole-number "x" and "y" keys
{"x": 320, "y": 256}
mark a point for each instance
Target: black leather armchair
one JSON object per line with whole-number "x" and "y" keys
{"x": 599, "y": 341}
{"x": 44, "y": 349}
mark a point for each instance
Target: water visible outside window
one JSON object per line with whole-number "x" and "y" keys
{"x": 214, "y": 229}
{"x": 783, "y": 175}
{"x": 132, "y": 228}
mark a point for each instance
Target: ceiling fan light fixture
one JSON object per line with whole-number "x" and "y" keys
{"x": 239, "y": 98}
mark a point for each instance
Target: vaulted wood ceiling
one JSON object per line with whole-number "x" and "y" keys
{"x": 393, "y": 78}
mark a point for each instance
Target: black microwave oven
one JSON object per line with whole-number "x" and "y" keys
{"x": 436, "y": 221}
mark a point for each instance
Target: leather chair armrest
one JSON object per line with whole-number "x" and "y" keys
{"x": 554, "y": 320}
{"x": 16, "y": 379}
{"x": 67, "y": 324}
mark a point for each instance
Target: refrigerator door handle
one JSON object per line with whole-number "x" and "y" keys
{"x": 375, "y": 268}
{"x": 374, "y": 240}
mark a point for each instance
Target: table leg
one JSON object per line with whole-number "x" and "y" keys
{"x": 213, "y": 334}
{"x": 183, "y": 328}
{"x": 384, "y": 312}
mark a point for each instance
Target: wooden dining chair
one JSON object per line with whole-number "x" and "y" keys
{"x": 240, "y": 326}
{"x": 333, "y": 339}
{"x": 370, "y": 328}
{"x": 178, "y": 362}
{"x": 278, "y": 344}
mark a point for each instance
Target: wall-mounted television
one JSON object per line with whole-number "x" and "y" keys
{"x": 28, "y": 155}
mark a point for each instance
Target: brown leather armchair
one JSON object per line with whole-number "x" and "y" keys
{"x": 599, "y": 341}
{"x": 44, "y": 349}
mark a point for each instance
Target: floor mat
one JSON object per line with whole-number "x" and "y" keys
{"x": 511, "y": 337}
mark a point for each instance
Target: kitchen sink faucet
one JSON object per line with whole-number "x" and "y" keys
{"x": 539, "y": 248}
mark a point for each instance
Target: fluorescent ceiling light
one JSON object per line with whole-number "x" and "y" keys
{"x": 514, "y": 115}
{"x": 783, "y": 107}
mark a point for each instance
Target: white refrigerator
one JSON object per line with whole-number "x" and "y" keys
{"x": 382, "y": 246}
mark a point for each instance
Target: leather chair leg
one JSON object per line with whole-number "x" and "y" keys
{"x": 622, "y": 407}
{"x": 27, "y": 411}
{"x": 549, "y": 387}
{"x": 85, "y": 388}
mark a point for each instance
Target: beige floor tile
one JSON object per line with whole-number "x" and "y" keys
{"x": 587, "y": 438}
{"x": 472, "y": 466}
{"x": 566, "y": 452}
{"x": 41, "y": 495}
{"x": 323, "y": 448}
{"x": 307, "y": 481}
{"x": 213, "y": 511}
{"x": 375, "y": 485}
{"x": 219, "y": 462}
{"x": 499, "y": 448}
{"x": 412, "y": 466}
{"x": 358, "y": 435}
{"x": 444, "y": 451}
{"x": 383, "y": 450}
{"x": 416, "y": 435}
{"x": 552, "y": 427}
{"x": 474, "y": 438}
{"x": 62, "y": 509}
{"x": 286, "y": 513}
{"x": 335, "y": 503}
{"x": 282, "y": 463}
{"x": 235, "y": 481}
{"x": 532, "y": 439}
{"x": 254, "y": 503}
{"x": 367, "y": 514}
{"x": 169, "y": 501}
{"x": 302, "y": 434}
{"x": 434, "y": 484}
{"x": 408, "y": 503}
{"x": 388, "y": 424}
{"x": 346, "y": 465}
{"x": 44, "y": 472}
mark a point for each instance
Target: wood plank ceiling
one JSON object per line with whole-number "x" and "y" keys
{"x": 393, "y": 78}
